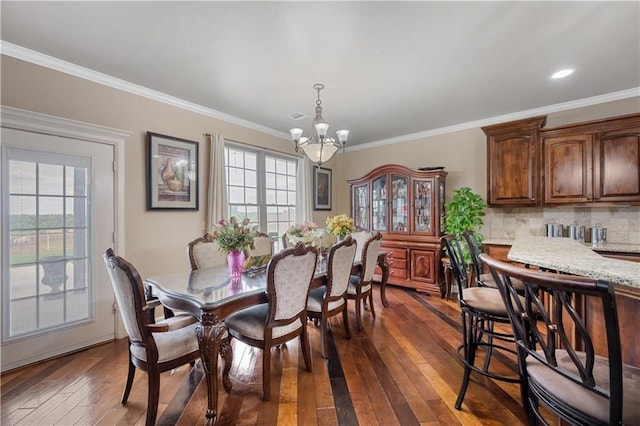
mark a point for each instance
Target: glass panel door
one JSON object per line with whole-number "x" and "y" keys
{"x": 361, "y": 206}
{"x": 422, "y": 193}
{"x": 399, "y": 212}
{"x": 379, "y": 204}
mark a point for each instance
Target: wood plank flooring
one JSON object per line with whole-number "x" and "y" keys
{"x": 400, "y": 370}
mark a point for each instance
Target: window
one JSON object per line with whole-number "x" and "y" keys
{"x": 262, "y": 186}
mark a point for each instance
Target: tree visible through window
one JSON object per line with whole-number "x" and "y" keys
{"x": 262, "y": 186}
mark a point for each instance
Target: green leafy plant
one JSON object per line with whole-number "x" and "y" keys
{"x": 464, "y": 213}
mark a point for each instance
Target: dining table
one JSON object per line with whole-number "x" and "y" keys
{"x": 210, "y": 295}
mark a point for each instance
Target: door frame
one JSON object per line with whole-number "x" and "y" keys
{"x": 19, "y": 119}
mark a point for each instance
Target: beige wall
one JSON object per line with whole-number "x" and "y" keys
{"x": 155, "y": 241}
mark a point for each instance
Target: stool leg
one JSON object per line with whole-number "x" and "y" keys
{"x": 469, "y": 348}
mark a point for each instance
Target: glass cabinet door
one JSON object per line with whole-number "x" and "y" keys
{"x": 361, "y": 206}
{"x": 379, "y": 204}
{"x": 399, "y": 213}
{"x": 422, "y": 193}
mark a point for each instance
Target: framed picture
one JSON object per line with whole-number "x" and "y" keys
{"x": 321, "y": 188}
{"x": 172, "y": 173}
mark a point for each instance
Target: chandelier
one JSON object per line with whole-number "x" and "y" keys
{"x": 318, "y": 147}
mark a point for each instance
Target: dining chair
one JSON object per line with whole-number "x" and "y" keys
{"x": 361, "y": 286}
{"x": 153, "y": 347}
{"x": 483, "y": 279}
{"x": 361, "y": 236}
{"x": 331, "y": 299}
{"x": 284, "y": 316}
{"x": 263, "y": 246}
{"x": 203, "y": 252}
{"x": 480, "y": 309}
{"x": 557, "y": 361}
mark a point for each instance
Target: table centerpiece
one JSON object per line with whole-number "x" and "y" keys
{"x": 234, "y": 238}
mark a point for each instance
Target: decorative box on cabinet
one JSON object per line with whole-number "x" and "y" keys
{"x": 513, "y": 162}
{"x": 407, "y": 207}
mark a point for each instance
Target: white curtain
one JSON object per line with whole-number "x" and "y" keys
{"x": 217, "y": 207}
{"x": 304, "y": 194}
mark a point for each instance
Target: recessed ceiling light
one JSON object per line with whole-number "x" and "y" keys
{"x": 562, "y": 73}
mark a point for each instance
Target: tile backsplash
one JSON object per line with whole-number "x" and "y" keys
{"x": 622, "y": 223}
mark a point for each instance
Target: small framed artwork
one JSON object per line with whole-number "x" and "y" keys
{"x": 172, "y": 173}
{"x": 321, "y": 188}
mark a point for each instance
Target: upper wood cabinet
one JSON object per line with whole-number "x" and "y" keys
{"x": 513, "y": 163}
{"x": 589, "y": 163}
{"x": 594, "y": 162}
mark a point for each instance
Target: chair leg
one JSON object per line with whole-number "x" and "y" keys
{"x": 323, "y": 336}
{"x": 373, "y": 310}
{"x": 345, "y": 320}
{"x": 129, "y": 384}
{"x": 153, "y": 397}
{"x": 487, "y": 360}
{"x": 266, "y": 372}
{"x": 469, "y": 348}
{"x": 306, "y": 348}
{"x": 358, "y": 315}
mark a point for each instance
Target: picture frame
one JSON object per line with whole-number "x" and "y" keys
{"x": 321, "y": 188}
{"x": 172, "y": 173}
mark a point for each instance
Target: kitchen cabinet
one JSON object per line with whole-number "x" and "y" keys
{"x": 407, "y": 207}
{"x": 513, "y": 162}
{"x": 592, "y": 163}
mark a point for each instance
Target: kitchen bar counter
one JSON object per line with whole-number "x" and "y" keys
{"x": 606, "y": 247}
{"x": 572, "y": 257}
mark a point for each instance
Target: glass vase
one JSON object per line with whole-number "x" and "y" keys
{"x": 235, "y": 260}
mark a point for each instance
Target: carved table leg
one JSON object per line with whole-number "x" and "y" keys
{"x": 227, "y": 356}
{"x": 209, "y": 333}
{"x": 384, "y": 266}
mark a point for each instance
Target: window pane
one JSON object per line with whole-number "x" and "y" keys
{"x": 23, "y": 212}
{"x": 51, "y": 212}
{"x": 292, "y": 167}
{"x": 291, "y": 183}
{"x": 236, "y": 177}
{"x": 236, "y": 158}
{"x": 270, "y": 197}
{"x": 236, "y": 195}
{"x": 23, "y": 316}
{"x": 251, "y": 178}
{"x": 50, "y": 179}
{"x": 22, "y": 247}
{"x": 22, "y": 179}
{"x": 270, "y": 181}
{"x": 270, "y": 164}
{"x": 281, "y": 197}
{"x": 77, "y": 304}
{"x": 76, "y": 181}
{"x": 281, "y": 181}
{"x": 251, "y": 196}
{"x": 281, "y": 166}
{"x": 251, "y": 161}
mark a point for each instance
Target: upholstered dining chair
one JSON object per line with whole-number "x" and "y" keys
{"x": 203, "y": 253}
{"x": 361, "y": 286}
{"x": 483, "y": 279}
{"x": 284, "y": 316}
{"x": 330, "y": 300}
{"x": 361, "y": 236}
{"x": 480, "y": 309}
{"x": 153, "y": 347}
{"x": 557, "y": 361}
{"x": 262, "y": 246}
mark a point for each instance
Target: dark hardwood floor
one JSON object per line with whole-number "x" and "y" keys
{"x": 401, "y": 370}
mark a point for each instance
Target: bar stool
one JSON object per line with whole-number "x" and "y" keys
{"x": 481, "y": 308}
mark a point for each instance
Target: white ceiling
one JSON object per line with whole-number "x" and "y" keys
{"x": 391, "y": 69}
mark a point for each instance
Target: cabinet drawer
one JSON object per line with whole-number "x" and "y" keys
{"x": 398, "y": 273}
{"x": 395, "y": 263}
{"x": 394, "y": 253}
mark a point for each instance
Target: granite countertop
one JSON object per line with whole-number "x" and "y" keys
{"x": 612, "y": 247}
{"x": 572, "y": 257}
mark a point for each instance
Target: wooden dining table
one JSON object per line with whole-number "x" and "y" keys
{"x": 210, "y": 296}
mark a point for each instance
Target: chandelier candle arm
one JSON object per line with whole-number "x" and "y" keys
{"x": 318, "y": 147}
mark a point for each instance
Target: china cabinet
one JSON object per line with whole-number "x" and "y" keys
{"x": 407, "y": 207}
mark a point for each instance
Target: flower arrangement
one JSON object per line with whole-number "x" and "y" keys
{"x": 305, "y": 232}
{"x": 232, "y": 235}
{"x": 340, "y": 225}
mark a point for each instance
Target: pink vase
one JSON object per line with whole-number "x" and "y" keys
{"x": 235, "y": 260}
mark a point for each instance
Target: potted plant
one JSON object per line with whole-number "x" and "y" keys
{"x": 464, "y": 213}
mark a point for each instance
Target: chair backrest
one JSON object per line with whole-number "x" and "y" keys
{"x": 325, "y": 239}
{"x": 262, "y": 246}
{"x": 370, "y": 252}
{"x": 289, "y": 277}
{"x": 474, "y": 252}
{"x": 339, "y": 263}
{"x": 456, "y": 260}
{"x": 361, "y": 236}
{"x": 203, "y": 253}
{"x": 129, "y": 291}
{"x": 549, "y": 327}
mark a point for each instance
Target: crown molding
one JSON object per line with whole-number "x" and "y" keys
{"x": 37, "y": 58}
{"x": 579, "y": 103}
